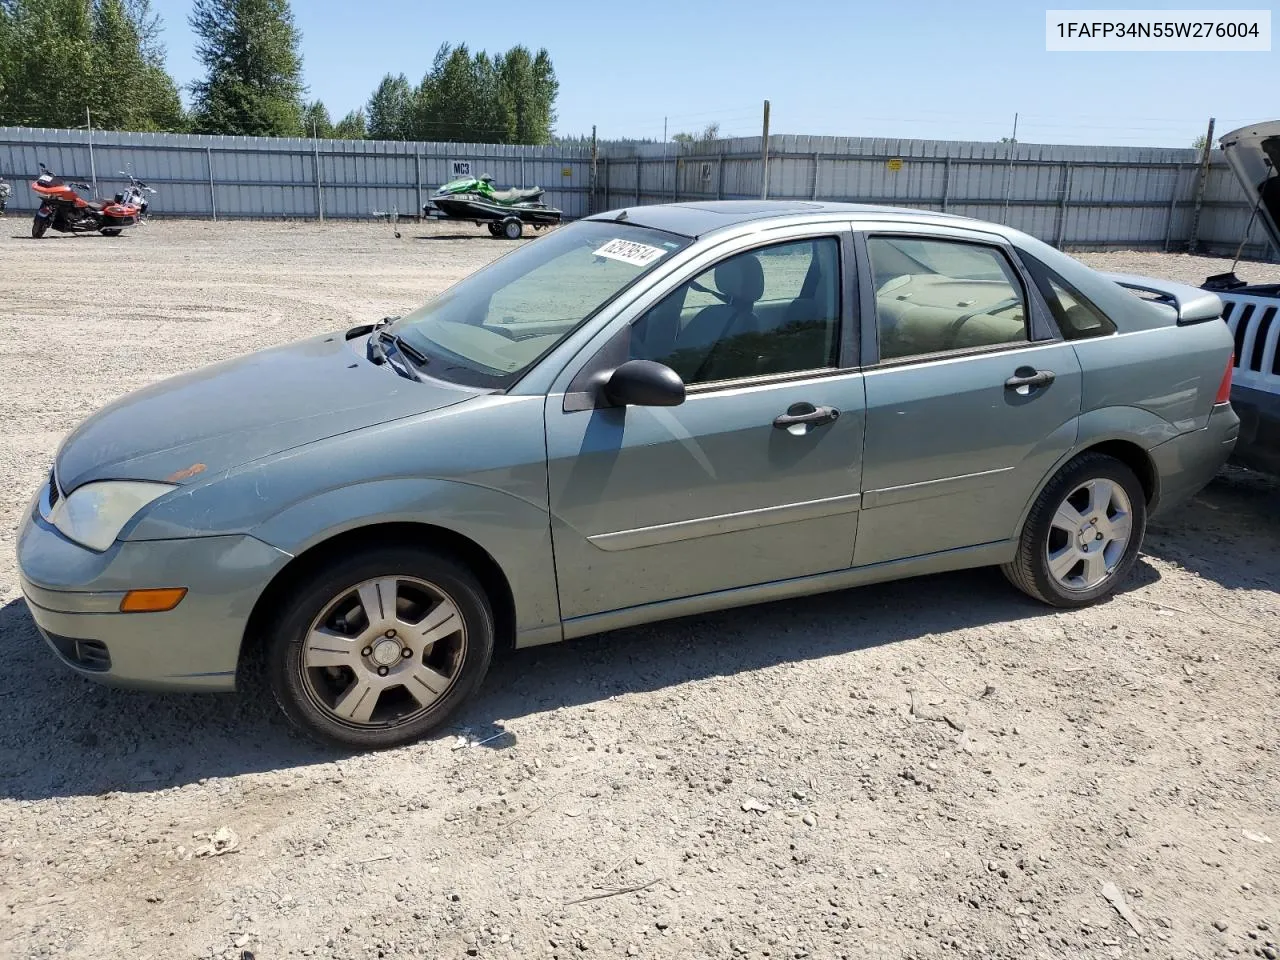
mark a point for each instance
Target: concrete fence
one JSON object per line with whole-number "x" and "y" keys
{"x": 1076, "y": 197}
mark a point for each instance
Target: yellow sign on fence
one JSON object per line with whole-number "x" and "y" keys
{"x": 566, "y": 171}
{"x": 895, "y": 164}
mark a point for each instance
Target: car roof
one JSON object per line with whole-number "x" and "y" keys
{"x": 697, "y": 218}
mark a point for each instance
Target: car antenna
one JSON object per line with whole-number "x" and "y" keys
{"x": 621, "y": 216}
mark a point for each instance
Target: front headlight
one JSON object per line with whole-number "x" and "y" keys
{"x": 93, "y": 515}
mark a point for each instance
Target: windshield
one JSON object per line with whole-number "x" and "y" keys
{"x": 488, "y": 329}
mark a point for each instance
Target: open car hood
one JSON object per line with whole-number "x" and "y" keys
{"x": 1254, "y": 155}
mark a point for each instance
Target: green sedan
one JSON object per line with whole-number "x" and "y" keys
{"x": 649, "y": 413}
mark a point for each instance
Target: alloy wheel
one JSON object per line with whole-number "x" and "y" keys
{"x": 383, "y": 652}
{"x": 1088, "y": 534}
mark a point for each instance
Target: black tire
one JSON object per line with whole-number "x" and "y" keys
{"x": 299, "y": 608}
{"x": 1030, "y": 572}
{"x": 111, "y": 231}
{"x": 495, "y": 229}
{"x": 39, "y": 227}
{"x": 512, "y": 229}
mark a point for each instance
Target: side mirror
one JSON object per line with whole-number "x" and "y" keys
{"x": 644, "y": 383}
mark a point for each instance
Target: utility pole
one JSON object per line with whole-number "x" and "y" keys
{"x": 592, "y": 204}
{"x": 764, "y": 156}
{"x": 1193, "y": 241}
{"x": 315, "y": 142}
{"x": 93, "y": 168}
{"x": 1008, "y": 174}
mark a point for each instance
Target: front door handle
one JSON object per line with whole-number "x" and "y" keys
{"x": 806, "y": 415}
{"x": 1026, "y": 379}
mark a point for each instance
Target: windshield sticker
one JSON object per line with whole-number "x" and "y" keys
{"x": 628, "y": 251}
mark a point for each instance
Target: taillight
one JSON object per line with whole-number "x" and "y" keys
{"x": 1224, "y": 388}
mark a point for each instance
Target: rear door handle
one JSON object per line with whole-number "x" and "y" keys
{"x": 1026, "y": 379}
{"x": 806, "y": 414}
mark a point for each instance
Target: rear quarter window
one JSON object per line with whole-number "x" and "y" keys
{"x": 1076, "y": 316}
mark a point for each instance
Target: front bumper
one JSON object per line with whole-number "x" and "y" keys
{"x": 1188, "y": 462}
{"x": 74, "y": 596}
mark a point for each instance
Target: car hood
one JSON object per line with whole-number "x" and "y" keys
{"x": 218, "y": 417}
{"x": 1254, "y": 155}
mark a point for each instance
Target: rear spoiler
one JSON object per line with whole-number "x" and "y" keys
{"x": 1190, "y": 304}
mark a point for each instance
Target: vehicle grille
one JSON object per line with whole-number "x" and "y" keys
{"x": 54, "y": 494}
{"x": 1256, "y": 330}
{"x": 85, "y": 654}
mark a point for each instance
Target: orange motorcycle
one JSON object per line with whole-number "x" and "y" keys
{"x": 64, "y": 210}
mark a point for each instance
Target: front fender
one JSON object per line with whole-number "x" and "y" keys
{"x": 514, "y": 532}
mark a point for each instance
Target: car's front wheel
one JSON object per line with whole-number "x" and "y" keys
{"x": 379, "y": 647}
{"x": 1082, "y": 535}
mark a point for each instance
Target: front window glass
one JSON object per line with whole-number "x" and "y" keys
{"x": 768, "y": 311}
{"x": 490, "y": 328}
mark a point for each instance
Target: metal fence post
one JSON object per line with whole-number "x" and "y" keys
{"x": 417, "y": 162}
{"x": 1194, "y": 240}
{"x": 319, "y": 189}
{"x": 946, "y": 183}
{"x": 1062, "y": 205}
{"x": 213, "y": 198}
{"x": 1173, "y": 207}
{"x": 813, "y": 194}
{"x": 675, "y": 178}
{"x": 720, "y": 177}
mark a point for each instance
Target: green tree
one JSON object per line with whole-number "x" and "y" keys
{"x": 447, "y": 103}
{"x": 709, "y": 133}
{"x": 316, "y": 122}
{"x": 253, "y": 85}
{"x": 352, "y": 126}
{"x": 48, "y": 72}
{"x": 530, "y": 88}
{"x": 58, "y": 57}
{"x": 130, "y": 88}
{"x": 390, "y": 108}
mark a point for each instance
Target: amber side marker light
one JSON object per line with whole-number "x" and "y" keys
{"x": 152, "y": 601}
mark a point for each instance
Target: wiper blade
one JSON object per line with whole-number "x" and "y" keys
{"x": 408, "y": 349}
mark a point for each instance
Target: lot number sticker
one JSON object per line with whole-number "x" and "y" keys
{"x": 637, "y": 254}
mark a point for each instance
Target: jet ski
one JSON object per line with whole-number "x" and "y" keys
{"x": 504, "y": 212}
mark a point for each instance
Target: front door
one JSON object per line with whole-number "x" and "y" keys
{"x": 754, "y": 478}
{"x": 970, "y": 401}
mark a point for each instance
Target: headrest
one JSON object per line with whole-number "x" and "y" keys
{"x": 741, "y": 279}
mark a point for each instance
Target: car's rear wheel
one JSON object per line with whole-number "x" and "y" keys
{"x": 380, "y": 647}
{"x": 1082, "y": 535}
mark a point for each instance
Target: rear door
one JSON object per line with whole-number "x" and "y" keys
{"x": 972, "y": 395}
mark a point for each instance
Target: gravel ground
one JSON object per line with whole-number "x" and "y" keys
{"x": 749, "y": 784}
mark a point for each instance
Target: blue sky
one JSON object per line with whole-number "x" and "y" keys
{"x": 928, "y": 69}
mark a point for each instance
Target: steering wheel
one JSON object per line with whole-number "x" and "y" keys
{"x": 953, "y": 331}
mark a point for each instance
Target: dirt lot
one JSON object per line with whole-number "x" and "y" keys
{"x": 746, "y": 784}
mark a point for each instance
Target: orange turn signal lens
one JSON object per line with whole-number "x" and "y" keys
{"x": 152, "y": 601}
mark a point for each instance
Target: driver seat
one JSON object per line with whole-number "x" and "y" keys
{"x": 718, "y": 341}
